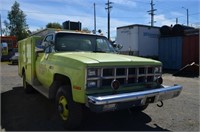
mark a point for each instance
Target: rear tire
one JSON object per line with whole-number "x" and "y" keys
{"x": 69, "y": 112}
{"x": 27, "y": 87}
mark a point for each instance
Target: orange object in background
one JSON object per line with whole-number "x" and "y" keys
{"x": 10, "y": 40}
{"x": 8, "y": 44}
{"x": 190, "y": 49}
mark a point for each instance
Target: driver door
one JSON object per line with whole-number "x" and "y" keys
{"x": 42, "y": 63}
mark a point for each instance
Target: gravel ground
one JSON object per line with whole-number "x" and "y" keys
{"x": 20, "y": 111}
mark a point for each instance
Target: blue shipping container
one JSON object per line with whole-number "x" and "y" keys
{"x": 170, "y": 52}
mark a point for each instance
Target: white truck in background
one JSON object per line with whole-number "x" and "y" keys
{"x": 139, "y": 40}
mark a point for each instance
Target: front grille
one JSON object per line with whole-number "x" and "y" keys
{"x": 126, "y": 76}
{"x": 108, "y": 72}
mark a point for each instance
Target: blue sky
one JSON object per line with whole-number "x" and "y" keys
{"x": 124, "y": 12}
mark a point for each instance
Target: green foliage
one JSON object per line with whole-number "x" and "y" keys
{"x": 17, "y": 22}
{"x": 53, "y": 25}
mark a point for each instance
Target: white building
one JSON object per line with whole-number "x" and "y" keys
{"x": 141, "y": 40}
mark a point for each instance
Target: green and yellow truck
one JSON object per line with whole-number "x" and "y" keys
{"x": 80, "y": 70}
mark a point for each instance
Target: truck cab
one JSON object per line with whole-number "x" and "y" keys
{"x": 84, "y": 70}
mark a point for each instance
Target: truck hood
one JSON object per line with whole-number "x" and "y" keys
{"x": 90, "y": 58}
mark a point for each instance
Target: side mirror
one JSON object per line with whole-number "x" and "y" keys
{"x": 48, "y": 46}
{"x": 51, "y": 43}
{"x": 48, "y": 43}
{"x": 117, "y": 46}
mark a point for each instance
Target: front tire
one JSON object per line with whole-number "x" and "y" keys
{"x": 69, "y": 112}
{"x": 27, "y": 87}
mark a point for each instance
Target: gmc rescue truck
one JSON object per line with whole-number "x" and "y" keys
{"x": 80, "y": 70}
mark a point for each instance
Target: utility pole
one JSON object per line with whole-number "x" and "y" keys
{"x": 176, "y": 20}
{"x": 95, "y": 29}
{"x": 187, "y": 18}
{"x": 187, "y": 15}
{"x": 0, "y": 26}
{"x": 151, "y": 12}
{"x": 108, "y": 4}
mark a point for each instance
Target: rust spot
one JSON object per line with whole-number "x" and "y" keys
{"x": 77, "y": 87}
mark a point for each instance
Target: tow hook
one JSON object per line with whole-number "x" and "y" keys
{"x": 160, "y": 105}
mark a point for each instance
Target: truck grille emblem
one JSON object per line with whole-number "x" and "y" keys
{"x": 115, "y": 84}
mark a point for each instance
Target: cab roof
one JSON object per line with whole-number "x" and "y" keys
{"x": 46, "y": 31}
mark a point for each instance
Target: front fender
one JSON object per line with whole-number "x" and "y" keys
{"x": 76, "y": 77}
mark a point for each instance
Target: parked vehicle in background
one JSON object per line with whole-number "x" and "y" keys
{"x": 140, "y": 40}
{"x": 8, "y": 43}
{"x": 14, "y": 58}
{"x": 4, "y": 49}
{"x": 83, "y": 70}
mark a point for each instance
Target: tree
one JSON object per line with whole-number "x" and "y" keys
{"x": 86, "y": 30}
{"x": 5, "y": 30}
{"x": 17, "y": 22}
{"x": 53, "y": 25}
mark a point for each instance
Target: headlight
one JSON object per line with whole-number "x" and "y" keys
{"x": 157, "y": 70}
{"x": 92, "y": 72}
{"x": 159, "y": 80}
{"x": 92, "y": 84}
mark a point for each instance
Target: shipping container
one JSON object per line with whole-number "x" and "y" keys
{"x": 141, "y": 40}
{"x": 166, "y": 31}
{"x": 179, "y": 30}
{"x": 190, "y": 49}
{"x": 170, "y": 52}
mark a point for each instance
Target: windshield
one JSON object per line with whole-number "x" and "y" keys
{"x": 82, "y": 42}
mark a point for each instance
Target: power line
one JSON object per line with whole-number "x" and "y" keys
{"x": 139, "y": 1}
{"x": 194, "y": 13}
{"x": 184, "y": 16}
{"x": 35, "y": 12}
{"x": 136, "y": 17}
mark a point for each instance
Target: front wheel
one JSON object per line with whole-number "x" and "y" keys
{"x": 27, "y": 87}
{"x": 69, "y": 112}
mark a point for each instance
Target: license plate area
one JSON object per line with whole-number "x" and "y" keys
{"x": 150, "y": 100}
{"x": 109, "y": 107}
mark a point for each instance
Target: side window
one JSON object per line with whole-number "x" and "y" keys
{"x": 48, "y": 38}
{"x": 48, "y": 49}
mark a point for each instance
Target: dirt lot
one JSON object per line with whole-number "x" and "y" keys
{"x": 20, "y": 111}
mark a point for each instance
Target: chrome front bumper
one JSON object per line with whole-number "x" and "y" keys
{"x": 144, "y": 97}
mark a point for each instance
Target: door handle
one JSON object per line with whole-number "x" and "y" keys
{"x": 51, "y": 67}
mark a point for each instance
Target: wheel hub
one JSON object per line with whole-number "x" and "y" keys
{"x": 63, "y": 108}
